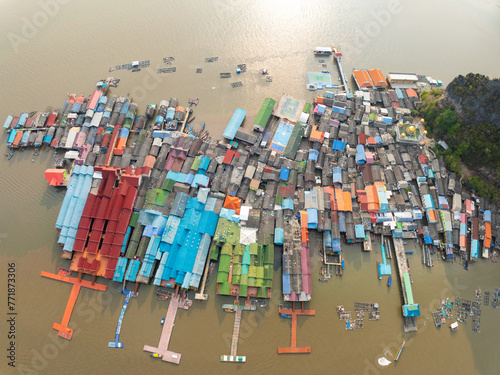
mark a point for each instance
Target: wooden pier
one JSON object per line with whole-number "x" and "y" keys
{"x": 237, "y": 309}
{"x": 338, "y": 58}
{"x": 166, "y": 355}
{"x": 63, "y": 330}
{"x": 292, "y": 349}
{"x": 410, "y": 309}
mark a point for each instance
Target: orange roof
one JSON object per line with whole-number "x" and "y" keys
{"x": 319, "y": 100}
{"x": 371, "y": 194}
{"x": 347, "y": 201}
{"x": 316, "y": 135}
{"x": 339, "y": 196}
{"x": 362, "y": 78}
{"x": 232, "y": 203}
{"x": 303, "y": 219}
{"x": 55, "y": 177}
{"x": 463, "y": 241}
{"x": 487, "y": 230}
{"x": 304, "y": 235}
{"x": 377, "y": 77}
{"x": 411, "y": 93}
{"x": 149, "y": 161}
{"x": 432, "y": 216}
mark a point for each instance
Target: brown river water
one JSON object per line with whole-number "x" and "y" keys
{"x": 51, "y": 48}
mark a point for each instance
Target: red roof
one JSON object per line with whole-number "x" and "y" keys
{"x": 228, "y": 157}
{"x": 55, "y": 177}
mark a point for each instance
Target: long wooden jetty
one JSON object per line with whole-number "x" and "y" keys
{"x": 293, "y": 348}
{"x": 338, "y": 57}
{"x": 162, "y": 351}
{"x": 117, "y": 343}
{"x": 63, "y": 330}
{"x": 237, "y": 309}
{"x": 410, "y": 309}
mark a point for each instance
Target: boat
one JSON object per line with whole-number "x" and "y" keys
{"x": 286, "y": 316}
{"x": 389, "y": 282}
{"x": 340, "y": 309}
{"x": 230, "y": 310}
{"x": 156, "y": 355}
{"x": 150, "y": 110}
{"x": 162, "y": 320}
{"x": 311, "y": 87}
{"x": 323, "y": 51}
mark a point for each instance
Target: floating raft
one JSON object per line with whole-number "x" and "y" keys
{"x": 236, "y": 84}
{"x": 225, "y": 75}
{"x": 166, "y": 70}
{"x": 199, "y": 70}
{"x": 142, "y": 64}
{"x": 168, "y": 60}
{"x": 211, "y": 59}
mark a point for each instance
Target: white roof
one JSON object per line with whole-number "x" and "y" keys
{"x": 71, "y": 155}
{"x": 325, "y": 49}
{"x": 96, "y": 119}
{"x": 404, "y": 76}
{"x": 304, "y": 117}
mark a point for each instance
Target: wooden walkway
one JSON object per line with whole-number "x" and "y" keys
{"x": 237, "y": 308}
{"x": 293, "y": 346}
{"x": 63, "y": 330}
{"x": 236, "y": 332}
{"x": 176, "y": 302}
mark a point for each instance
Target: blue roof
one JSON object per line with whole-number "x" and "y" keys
{"x": 338, "y": 145}
{"x": 287, "y": 204}
{"x": 360, "y": 230}
{"x": 487, "y": 216}
{"x": 284, "y": 174}
{"x": 387, "y": 120}
{"x": 337, "y": 175}
{"x": 360, "y": 154}
{"x": 208, "y": 222}
{"x": 338, "y": 109}
{"x": 313, "y": 154}
{"x": 204, "y": 163}
{"x": 286, "y": 284}
{"x": 312, "y": 218}
{"x": 132, "y": 270}
{"x": 234, "y": 124}
{"x": 411, "y": 310}
{"x": 278, "y": 236}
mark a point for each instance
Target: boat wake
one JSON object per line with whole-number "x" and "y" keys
{"x": 382, "y": 361}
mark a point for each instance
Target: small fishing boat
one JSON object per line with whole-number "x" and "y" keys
{"x": 162, "y": 320}
{"x": 286, "y": 316}
{"x": 389, "y": 282}
{"x": 156, "y": 355}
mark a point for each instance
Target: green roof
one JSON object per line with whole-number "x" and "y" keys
{"x": 133, "y": 219}
{"x": 307, "y": 108}
{"x": 265, "y": 112}
{"x": 168, "y": 184}
{"x": 214, "y": 252}
{"x": 243, "y": 290}
{"x": 225, "y": 288}
{"x": 409, "y": 293}
{"x": 222, "y": 276}
{"x": 224, "y": 262}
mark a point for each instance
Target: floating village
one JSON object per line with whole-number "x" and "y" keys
{"x": 152, "y": 199}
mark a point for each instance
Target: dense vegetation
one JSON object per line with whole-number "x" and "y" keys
{"x": 467, "y": 116}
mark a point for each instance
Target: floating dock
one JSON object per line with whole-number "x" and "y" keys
{"x": 63, "y": 330}
{"x": 162, "y": 351}
{"x": 293, "y": 348}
